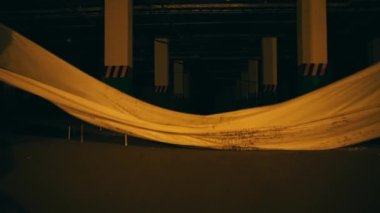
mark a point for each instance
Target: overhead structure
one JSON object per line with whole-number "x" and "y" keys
{"x": 312, "y": 36}
{"x": 269, "y": 49}
{"x": 269, "y": 70}
{"x": 161, "y": 65}
{"x": 312, "y": 42}
{"x": 118, "y": 43}
{"x": 253, "y": 78}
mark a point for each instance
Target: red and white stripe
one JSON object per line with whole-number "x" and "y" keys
{"x": 313, "y": 69}
{"x": 270, "y": 87}
{"x": 161, "y": 89}
{"x": 117, "y": 71}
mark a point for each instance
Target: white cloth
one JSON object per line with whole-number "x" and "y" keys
{"x": 343, "y": 113}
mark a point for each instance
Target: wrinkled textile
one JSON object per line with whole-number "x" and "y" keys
{"x": 343, "y": 113}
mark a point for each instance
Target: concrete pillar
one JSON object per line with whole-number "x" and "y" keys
{"x": 161, "y": 65}
{"x": 118, "y": 55}
{"x": 312, "y": 43}
{"x": 178, "y": 79}
{"x": 253, "y": 79}
{"x": 269, "y": 66}
{"x": 374, "y": 51}
{"x": 186, "y": 85}
{"x": 161, "y": 96}
{"x": 244, "y": 84}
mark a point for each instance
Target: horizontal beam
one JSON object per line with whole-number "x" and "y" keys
{"x": 175, "y": 8}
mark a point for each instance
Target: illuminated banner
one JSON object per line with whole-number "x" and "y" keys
{"x": 343, "y": 113}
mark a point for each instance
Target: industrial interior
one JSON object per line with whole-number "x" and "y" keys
{"x": 206, "y": 58}
{"x": 215, "y": 41}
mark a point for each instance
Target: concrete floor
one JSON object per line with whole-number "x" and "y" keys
{"x": 40, "y": 174}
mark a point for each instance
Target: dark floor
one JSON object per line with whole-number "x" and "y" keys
{"x": 53, "y": 175}
{"x": 40, "y": 171}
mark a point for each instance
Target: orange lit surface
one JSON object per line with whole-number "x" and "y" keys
{"x": 341, "y": 114}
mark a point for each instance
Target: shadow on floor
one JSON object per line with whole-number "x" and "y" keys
{"x": 7, "y": 203}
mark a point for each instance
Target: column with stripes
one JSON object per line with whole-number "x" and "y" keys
{"x": 118, "y": 55}
{"x": 312, "y": 45}
{"x": 244, "y": 86}
{"x": 181, "y": 85}
{"x": 179, "y": 79}
{"x": 253, "y": 80}
{"x": 161, "y": 65}
{"x": 269, "y": 68}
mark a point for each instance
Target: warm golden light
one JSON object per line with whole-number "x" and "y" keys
{"x": 341, "y": 114}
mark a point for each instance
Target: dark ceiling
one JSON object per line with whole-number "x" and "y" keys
{"x": 214, "y": 38}
{"x": 212, "y": 31}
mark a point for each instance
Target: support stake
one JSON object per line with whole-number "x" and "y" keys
{"x": 125, "y": 140}
{"x": 69, "y": 133}
{"x": 81, "y": 133}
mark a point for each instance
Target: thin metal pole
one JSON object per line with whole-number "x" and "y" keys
{"x": 69, "y": 133}
{"x": 81, "y": 133}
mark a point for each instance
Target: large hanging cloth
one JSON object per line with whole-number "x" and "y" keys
{"x": 344, "y": 113}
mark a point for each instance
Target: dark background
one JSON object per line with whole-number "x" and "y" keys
{"x": 214, "y": 38}
{"x": 41, "y": 171}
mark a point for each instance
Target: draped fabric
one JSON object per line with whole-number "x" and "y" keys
{"x": 343, "y": 113}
